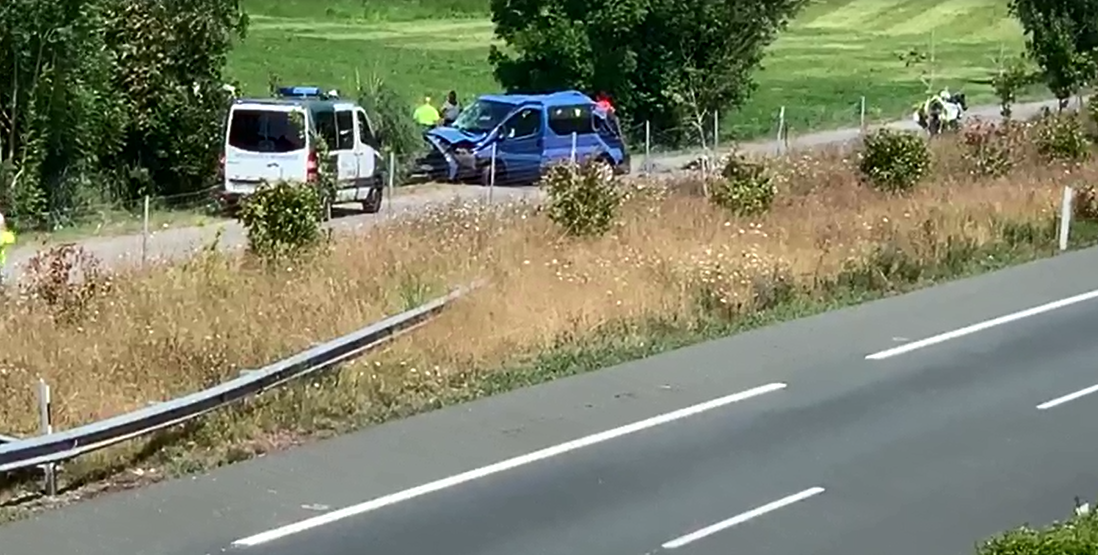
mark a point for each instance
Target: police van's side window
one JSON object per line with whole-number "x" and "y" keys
{"x": 346, "y": 127}
{"x": 325, "y": 127}
{"x": 565, "y": 120}
{"x": 365, "y": 133}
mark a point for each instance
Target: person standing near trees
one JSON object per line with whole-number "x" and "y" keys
{"x": 7, "y": 239}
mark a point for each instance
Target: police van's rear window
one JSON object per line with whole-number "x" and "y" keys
{"x": 265, "y": 131}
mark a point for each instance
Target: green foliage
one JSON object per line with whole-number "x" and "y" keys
{"x": 56, "y": 118}
{"x": 1076, "y": 536}
{"x": 583, "y": 199}
{"x": 894, "y": 161}
{"x": 990, "y": 149}
{"x": 109, "y": 100}
{"x": 1062, "y": 138}
{"x": 1062, "y": 37}
{"x": 664, "y": 61}
{"x": 744, "y": 188}
{"x": 282, "y": 219}
{"x": 1008, "y": 81}
{"x": 389, "y": 114}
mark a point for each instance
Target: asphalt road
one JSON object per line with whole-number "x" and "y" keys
{"x": 177, "y": 243}
{"x": 837, "y": 434}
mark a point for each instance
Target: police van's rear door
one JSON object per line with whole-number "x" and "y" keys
{"x": 264, "y": 142}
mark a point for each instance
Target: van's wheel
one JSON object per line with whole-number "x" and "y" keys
{"x": 372, "y": 204}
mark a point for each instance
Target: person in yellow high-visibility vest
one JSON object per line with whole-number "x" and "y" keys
{"x": 426, "y": 115}
{"x": 7, "y": 239}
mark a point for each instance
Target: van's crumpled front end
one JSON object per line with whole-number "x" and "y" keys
{"x": 453, "y": 156}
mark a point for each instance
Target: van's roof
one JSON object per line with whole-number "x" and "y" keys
{"x": 562, "y": 98}
{"x": 311, "y": 104}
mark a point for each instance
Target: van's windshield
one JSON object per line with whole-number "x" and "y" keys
{"x": 482, "y": 116}
{"x": 269, "y": 131}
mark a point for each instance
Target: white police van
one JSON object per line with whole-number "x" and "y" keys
{"x": 265, "y": 142}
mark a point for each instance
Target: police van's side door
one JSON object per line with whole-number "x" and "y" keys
{"x": 344, "y": 152}
{"x": 367, "y": 152}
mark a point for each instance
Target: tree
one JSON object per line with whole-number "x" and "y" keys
{"x": 169, "y": 56}
{"x": 56, "y": 123}
{"x": 666, "y": 61}
{"x": 1062, "y": 40}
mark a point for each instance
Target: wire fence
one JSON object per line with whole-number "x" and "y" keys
{"x": 509, "y": 165}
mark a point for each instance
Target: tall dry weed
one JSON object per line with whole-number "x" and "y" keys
{"x": 671, "y": 256}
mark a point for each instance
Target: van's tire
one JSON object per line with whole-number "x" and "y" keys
{"x": 372, "y": 204}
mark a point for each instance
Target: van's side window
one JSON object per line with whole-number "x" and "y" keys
{"x": 524, "y": 123}
{"x": 565, "y": 120}
{"x": 345, "y": 125}
{"x": 365, "y": 132}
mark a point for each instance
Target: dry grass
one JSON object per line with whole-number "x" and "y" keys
{"x": 159, "y": 333}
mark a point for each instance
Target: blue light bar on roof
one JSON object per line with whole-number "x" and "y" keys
{"x": 300, "y": 91}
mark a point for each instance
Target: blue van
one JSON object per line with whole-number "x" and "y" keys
{"x": 529, "y": 132}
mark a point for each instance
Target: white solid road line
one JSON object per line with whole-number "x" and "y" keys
{"x": 967, "y": 330}
{"x": 1067, "y": 398}
{"x": 742, "y": 517}
{"x": 508, "y": 464}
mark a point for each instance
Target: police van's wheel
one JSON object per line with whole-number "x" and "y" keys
{"x": 372, "y": 204}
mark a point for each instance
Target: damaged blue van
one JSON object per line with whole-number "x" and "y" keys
{"x": 529, "y": 132}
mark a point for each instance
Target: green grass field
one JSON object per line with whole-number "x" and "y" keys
{"x": 834, "y": 53}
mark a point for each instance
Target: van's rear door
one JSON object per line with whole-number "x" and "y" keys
{"x": 264, "y": 142}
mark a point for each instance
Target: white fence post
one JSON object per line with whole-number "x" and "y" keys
{"x": 573, "y": 148}
{"x": 781, "y": 128}
{"x": 392, "y": 182}
{"x": 492, "y": 168}
{"x": 647, "y": 147}
{"x": 145, "y": 233}
{"x": 861, "y": 119}
{"x": 45, "y": 411}
{"x": 1065, "y": 218}
{"x": 716, "y": 132}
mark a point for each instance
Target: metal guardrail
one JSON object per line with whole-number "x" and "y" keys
{"x": 45, "y": 449}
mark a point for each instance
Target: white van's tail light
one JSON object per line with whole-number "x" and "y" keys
{"x": 311, "y": 167}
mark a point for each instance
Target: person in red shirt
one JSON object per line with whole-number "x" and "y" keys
{"x": 603, "y": 102}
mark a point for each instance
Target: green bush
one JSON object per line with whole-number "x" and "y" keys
{"x": 744, "y": 188}
{"x": 583, "y": 199}
{"x": 282, "y": 219}
{"x": 894, "y": 161}
{"x": 1077, "y": 536}
{"x": 1061, "y": 137}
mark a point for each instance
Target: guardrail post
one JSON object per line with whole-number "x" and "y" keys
{"x": 1065, "y": 218}
{"x": 45, "y": 411}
